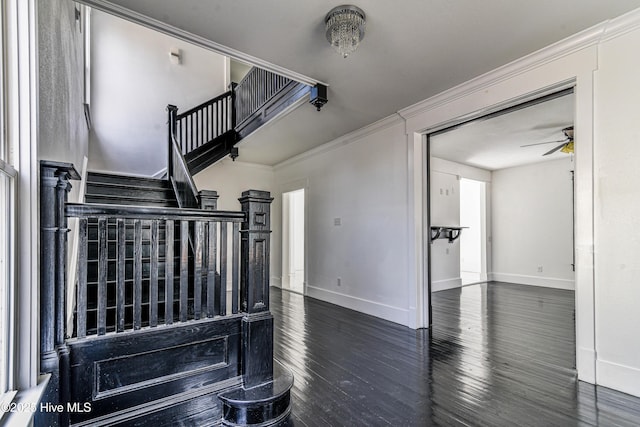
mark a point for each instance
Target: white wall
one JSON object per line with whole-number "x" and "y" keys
{"x": 360, "y": 182}
{"x": 445, "y": 198}
{"x": 445, "y": 210}
{"x": 532, "y": 223}
{"x": 62, "y": 128}
{"x": 617, "y": 212}
{"x": 132, "y": 82}
{"x": 63, "y": 132}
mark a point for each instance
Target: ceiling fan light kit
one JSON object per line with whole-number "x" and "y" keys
{"x": 344, "y": 27}
{"x": 567, "y": 145}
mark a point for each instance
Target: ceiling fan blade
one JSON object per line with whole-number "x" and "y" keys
{"x": 554, "y": 149}
{"x": 541, "y": 143}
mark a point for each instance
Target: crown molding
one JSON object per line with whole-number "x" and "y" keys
{"x": 621, "y": 25}
{"x": 186, "y": 36}
{"x": 593, "y": 36}
{"x": 343, "y": 140}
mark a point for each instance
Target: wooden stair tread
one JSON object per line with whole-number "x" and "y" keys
{"x": 115, "y": 178}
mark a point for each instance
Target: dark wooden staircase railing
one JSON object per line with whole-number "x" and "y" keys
{"x": 209, "y": 132}
{"x": 156, "y": 342}
{"x": 151, "y": 286}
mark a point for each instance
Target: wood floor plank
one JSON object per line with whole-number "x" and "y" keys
{"x": 498, "y": 355}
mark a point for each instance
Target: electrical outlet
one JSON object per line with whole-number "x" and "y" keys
{"x": 447, "y": 251}
{"x": 337, "y": 221}
{"x": 539, "y": 269}
{"x": 339, "y": 281}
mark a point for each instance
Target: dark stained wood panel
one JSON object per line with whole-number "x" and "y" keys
{"x": 497, "y": 355}
{"x": 118, "y": 372}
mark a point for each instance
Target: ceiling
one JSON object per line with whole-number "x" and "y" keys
{"x": 496, "y": 143}
{"x": 409, "y": 53}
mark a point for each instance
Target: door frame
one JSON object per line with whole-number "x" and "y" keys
{"x": 527, "y": 102}
{"x": 288, "y": 187}
{"x": 538, "y": 74}
{"x": 485, "y": 216}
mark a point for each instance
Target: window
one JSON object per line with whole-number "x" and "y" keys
{"x": 7, "y": 238}
{"x": 8, "y": 184}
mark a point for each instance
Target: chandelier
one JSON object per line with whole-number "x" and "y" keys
{"x": 345, "y": 28}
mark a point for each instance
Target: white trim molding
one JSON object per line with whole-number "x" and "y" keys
{"x": 523, "y": 279}
{"x": 276, "y": 282}
{"x": 584, "y": 39}
{"x": 383, "y": 311}
{"x": 162, "y": 172}
{"x": 618, "y": 377}
{"x": 346, "y": 139}
{"x": 22, "y": 132}
{"x": 443, "y": 285}
{"x": 621, "y": 25}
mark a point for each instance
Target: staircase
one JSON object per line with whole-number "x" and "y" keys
{"x": 171, "y": 321}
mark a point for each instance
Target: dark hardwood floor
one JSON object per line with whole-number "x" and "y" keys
{"x": 498, "y": 355}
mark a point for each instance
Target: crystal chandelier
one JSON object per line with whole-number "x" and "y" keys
{"x": 345, "y": 28}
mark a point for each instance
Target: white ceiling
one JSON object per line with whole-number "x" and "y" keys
{"x": 496, "y": 143}
{"x": 410, "y": 52}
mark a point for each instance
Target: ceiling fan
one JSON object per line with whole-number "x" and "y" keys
{"x": 566, "y": 145}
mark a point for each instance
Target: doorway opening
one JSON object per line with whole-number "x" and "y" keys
{"x": 473, "y": 241}
{"x": 293, "y": 241}
{"x": 500, "y": 198}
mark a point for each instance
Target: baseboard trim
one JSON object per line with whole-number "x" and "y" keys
{"x": 618, "y": 377}
{"x": 586, "y": 364}
{"x": 443, "y": 285}
{"x": 160, "y": 174}
{"x": 276, "y": 282}
{"x": 373, "y": 308}
{"x": 521, "y": 279}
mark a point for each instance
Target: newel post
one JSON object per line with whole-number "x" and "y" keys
{"x": 172, "y": 112}
{"x": 208, "y": 200}
{"x": 54, "y": 354}
{"x": 234, "y": 102}
{"x": 257, "y": 324}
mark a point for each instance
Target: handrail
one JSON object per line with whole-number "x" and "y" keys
{"x": 203, "y": 105}
{"x": 86, "y": 210}
{"x": 178, "y": 170}
{"x": 185, "y": 170}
